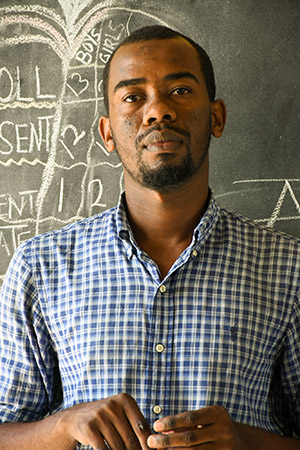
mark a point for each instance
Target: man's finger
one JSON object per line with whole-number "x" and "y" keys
{"x": 114, "y": 438}
{"x": 190, "y": 419}
{"x": 137, "y": 422}
{"x": 123, "y": 425}
{"x": 183, "y": 439}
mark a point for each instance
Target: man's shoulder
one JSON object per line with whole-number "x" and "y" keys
{"x": 251, "y": 231}
{"x": 82, "y": 233}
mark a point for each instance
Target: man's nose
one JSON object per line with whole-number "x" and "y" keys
{"x": 159, "y": 109}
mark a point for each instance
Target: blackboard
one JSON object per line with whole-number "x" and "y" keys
{"x": 54, "y": 168}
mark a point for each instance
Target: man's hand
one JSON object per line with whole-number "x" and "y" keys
{"x": 116, "y": 421}
{"x": 209, "y": 428}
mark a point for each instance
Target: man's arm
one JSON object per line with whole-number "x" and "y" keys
{"x": 116, "y": 420}
{"x": 211, "y": 428}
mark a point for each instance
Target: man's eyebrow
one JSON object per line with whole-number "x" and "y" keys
{"x": 169, "y": 77}
{"x": 179, "y": 75}
{"x": 129, "y": 82}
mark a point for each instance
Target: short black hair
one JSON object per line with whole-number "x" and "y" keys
{"x": 160, "y": 32}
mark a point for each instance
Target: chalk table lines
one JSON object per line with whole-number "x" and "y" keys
{"x": 41, "y": 25}
{"x": 60, "y": 166}
{"x": 287, "y": 189}
{"x": 21, "y": 162}
{"x": 98, "y": 13}
{"x": 32, "y": 221}
{"x": 32, "y": 39}
{"x": 30, "y": 105}
{"x": 47, "y": 13}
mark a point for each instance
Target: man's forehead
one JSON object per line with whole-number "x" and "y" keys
{"x": 162, "y": 44}
{"x": 133, "y": 55}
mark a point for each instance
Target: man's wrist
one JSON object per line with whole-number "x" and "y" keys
{"x": 252, "y": 438}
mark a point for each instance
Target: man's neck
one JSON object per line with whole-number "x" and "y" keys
{"x": 163, "y": 216}
{"x": 163, "y": 224}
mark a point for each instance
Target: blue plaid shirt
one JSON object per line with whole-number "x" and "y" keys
{"x": 85, "y": 315}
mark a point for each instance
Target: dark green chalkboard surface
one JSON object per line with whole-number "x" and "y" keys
{"x": 54, "y": 168}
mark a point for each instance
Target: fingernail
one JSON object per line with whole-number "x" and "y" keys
{"x": 158, "y": 426}
{"x": 151, "y": 441}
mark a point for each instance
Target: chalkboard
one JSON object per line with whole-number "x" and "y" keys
{"x": 54, "y": 168}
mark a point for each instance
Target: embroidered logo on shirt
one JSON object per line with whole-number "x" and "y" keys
{"x": 233, "y": 333}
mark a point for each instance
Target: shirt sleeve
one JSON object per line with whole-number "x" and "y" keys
{"x": 286, "y": 387}
{"x": 29, "y": 380}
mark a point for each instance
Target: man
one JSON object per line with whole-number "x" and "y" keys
{"x": 165, "y": 312}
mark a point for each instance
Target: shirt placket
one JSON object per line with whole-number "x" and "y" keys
{"x": 162, "y": 347}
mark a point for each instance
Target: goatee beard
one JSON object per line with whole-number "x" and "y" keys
{"x": 170, "y": 176}
{"x": 166, "y": 178}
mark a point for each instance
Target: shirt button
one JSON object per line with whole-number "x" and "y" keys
{"x": 162, "y": 288}
{"x": 159, "y": 348}
{"x": 194, "y": 253}
{"x": 157, "y": 409}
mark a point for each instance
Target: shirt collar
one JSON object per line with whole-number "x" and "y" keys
{"x": 123, "y": 227}
{"x": 201, "y": 233}
{"x": 207, "y": 223}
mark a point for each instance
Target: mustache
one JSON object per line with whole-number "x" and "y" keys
{"x": 177, "y": 130}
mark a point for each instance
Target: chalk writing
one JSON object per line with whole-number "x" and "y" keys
{"x": 61, "y": 195}
{"x": 11, "y": 88}
{"x": 99, "y": 194}
{"x": 11, "y": 237}
{"x": 11, "y": 208}
{"x": 24, "y": 138}
{"x": 77, "y": 84}
{"x": 286, "y": 191}
{"x": 112, "y": 38}
{"x": 77, "y": 137}
{"x": 88, "y": 47}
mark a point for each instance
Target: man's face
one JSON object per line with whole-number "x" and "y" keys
{"x": 159, "y": 112}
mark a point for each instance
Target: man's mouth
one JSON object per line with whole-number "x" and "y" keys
{"x": 162, "y": 140}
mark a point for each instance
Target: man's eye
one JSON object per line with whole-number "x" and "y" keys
{"x": 181, "y": 91}
{"x": 132, "y": 98}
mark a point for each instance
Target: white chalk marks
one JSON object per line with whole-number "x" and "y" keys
{"x": 54, "y": 169}
{"x": 285, "y": 192}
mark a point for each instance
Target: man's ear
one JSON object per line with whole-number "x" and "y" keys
{"x": 106, "y": 134}
{"x": 218, "y": 117}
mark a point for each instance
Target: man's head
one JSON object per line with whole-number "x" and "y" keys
{"x": 162, "y": 112}
{"x": 159, "y": 32}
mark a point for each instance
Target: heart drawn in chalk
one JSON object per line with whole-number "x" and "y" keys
{"x": 78, "y": 84}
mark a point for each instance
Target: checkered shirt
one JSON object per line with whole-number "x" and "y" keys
{"x": 85, "y": 315}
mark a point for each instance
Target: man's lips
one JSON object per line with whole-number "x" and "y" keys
{"x": 162, "y": 140}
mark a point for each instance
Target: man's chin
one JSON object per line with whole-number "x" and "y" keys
{"x": 166, "y": 179}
